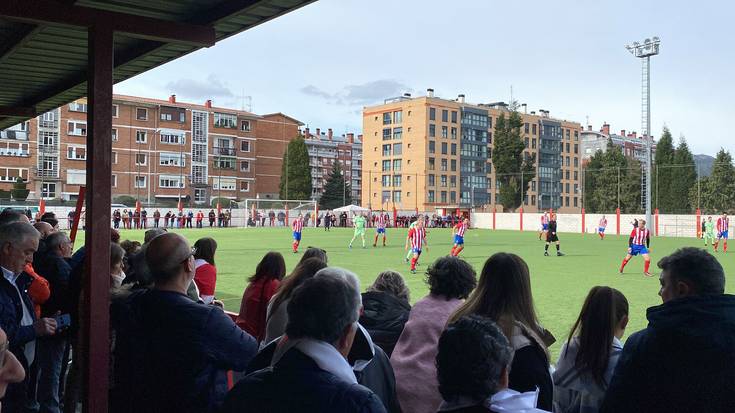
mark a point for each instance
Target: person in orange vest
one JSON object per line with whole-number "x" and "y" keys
{"x": 200, "y": 217}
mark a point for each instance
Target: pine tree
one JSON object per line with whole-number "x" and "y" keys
{"x": 513, "y": 169}
{"x": 684, "y": 177}
{"x": 337, "y": 192}
{"x": 662, "y": 176}
{"x": 608, "y": 174}
{"x": 718, "y": 191}
{"x": 295, "y": 171}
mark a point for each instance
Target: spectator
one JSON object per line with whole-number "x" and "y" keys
{"x": 322, "y": 324}
{"x": 171, "y": 353}
{"x": 683, "y": 361}
{"x": 277, "y": 315}
{"x": 51, "y": 221}
{"x": 472, "y": 366}
{"x": 386, "y": 309}
{"x": 18, "y": 242}
{"x": 589, "y": 356}
{"x": 255, "y": 299}
{"x": 156, "y": 218}
{"x": 53, "y": 264}
{"x": 117, "y": 275}
{"x": 11, "y": 370}
{"x": 504, "y": 296}
{"x": 211, "y": 217}
{"x": 206, "y": 272}
{"x": 450, "y": 280}
{"x": 314, "y": 252}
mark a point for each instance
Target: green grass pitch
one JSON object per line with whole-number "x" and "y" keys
{"x": 559, "y": 284}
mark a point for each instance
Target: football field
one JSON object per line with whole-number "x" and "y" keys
{"x": 559, "y": 284}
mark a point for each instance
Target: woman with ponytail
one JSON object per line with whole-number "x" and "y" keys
{"x": 589, "y": 356}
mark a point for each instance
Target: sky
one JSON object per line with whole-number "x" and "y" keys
{"x": 324, "y": 62}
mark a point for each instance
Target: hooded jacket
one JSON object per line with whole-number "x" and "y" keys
{"x": 384, "y": 317}
{"x": 682, "y": 362}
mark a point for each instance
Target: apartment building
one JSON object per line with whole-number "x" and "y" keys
{"x": 427, "y": 153}
{"x": 324, "y": 150}
{"x": 629, "y": 143}
{"x": 161, "y": 150}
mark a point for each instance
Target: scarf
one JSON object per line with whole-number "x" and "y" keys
{"x": 323, "y": 354}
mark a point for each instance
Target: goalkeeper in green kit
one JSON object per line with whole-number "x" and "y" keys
{"x": 709, "y": 232}
{"x": 359, "y": 223}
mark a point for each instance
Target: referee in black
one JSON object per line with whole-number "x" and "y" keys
{"x": 551, "y": 236}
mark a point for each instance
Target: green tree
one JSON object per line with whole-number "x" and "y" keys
{"x": 663, "y": 174}
{"x": 337, "y": 192}
{"x": 295, "y": 171}
{"x": 608, "y": 174}
{"x": 684, "y": 177}
{"x": 513, "y": 169}
{"x": 718, "y": 191}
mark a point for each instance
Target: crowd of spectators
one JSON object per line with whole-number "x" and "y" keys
{"x": 312, "y": 341}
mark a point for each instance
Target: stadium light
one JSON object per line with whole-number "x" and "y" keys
{"x": 644, "y": 51}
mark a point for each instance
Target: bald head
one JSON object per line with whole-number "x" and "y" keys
{"x": 166, "y": 255}
{"x": 44, "y": 228}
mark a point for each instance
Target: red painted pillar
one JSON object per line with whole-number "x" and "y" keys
{"x": 617, "y": 219}
{"x": 493, "y": 217}
{"x": 521, "y": 216}
{"x": 656, "y": 219}
{"x": 42, "y": 204}
{"x": 395, "y": 214}
{"x": 583, "y": 231}
{"x": 699, "y": 223}
{"x": 77, "y": 214}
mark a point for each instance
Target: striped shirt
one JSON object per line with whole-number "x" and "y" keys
{"x": 297, "y": 225}
{"x": 640, "y": 236}
{"x": 723, "y": 224}
{"x": 417, "y": 236}
{"x": 380, "y": 221}
{"x": 461, "y": 228}
{"x": 603, "y": 222}
{"x": 544, "y": 219}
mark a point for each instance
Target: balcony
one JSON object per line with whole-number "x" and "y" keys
{"x": 14, "y": 152}
{"x": 224, "y": 151}
{"x": 17, "y": 135}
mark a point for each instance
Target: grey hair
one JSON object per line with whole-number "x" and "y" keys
{"x": 54, "y": 240}
{"x": 17, "y": 232}
{"x": 346, "y": 275}
{"x": 153, "y": 233}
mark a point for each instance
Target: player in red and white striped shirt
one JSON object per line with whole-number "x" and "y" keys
{"x": 416, "y": 239}
{"x": 297, "y": 226}
{"x": 723, "y": 226}
{"x": 544, "y": 225}
{"x": 601, "y": 227}
{"x": 639, "y": 242}
{"x": 380, "y": 223}
{"x": 458, "y": 232}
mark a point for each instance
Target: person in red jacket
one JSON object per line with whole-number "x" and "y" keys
{"x": 263, "y": 285}
{"x": 205, "y": 276}
{"x": 200, "y": 217}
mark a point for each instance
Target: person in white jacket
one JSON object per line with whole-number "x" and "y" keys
{"x": 472, "y": 366}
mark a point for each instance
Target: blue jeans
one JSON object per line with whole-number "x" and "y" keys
{"x": 49, "y": 356}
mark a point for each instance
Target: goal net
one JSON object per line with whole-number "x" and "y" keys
{"x": 278, "y": 212}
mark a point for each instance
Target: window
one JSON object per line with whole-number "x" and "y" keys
{"x": 397, "y": 149}
{"x": 386, "y": 134}
{"x": 445, "y": 132}
{"x": 140, "y": 181}
{"x": 444, "y": 148}
{"x": 576, "y": 175}
{"x": 397, "y": 196}
{"x": 432, "y": 114}
{"x": 533, "y": 143}
{"x": 114, "y": 135}
{"x": 397, "y": 181}
{"x": 77, "y": 128}
{"x": 170, "y": 181}
{"x": 454, "y": 165}
{"x": 398, "y": 116}
{"x": 533, "y": 199}
{"x": 567, "y": 161}
{"x": 454, "y": 149}
{"x": 525, "y": 127}
{"x": 525, "y": 142}
{"x": 115, "y": 111}
{"x": 453, "y": 181}
{"x": 386, "y": 166}
{"x": 432, "y": 164}
{"x": 567, "y": 174}
{"x": 78, "y": 107}
{"x": 576, "y": 162}
{"x": 245, "y": 126}
{"x": 141, "y": 159}
{"x": 141, "y": 113}
{"x": 432, "y": 147}
{"x": 224, "y": 163}
{"x": 443, "y": 181}
{"x": 432, "y": 130}
{"x": 397, "y": 134}
{"x": 397, "y": 165}
{"x": 444, "y": 197}
{"x": 225, "y": 120}
{"x": 575, "y": 201}
{"x": 386, "y": 118}
{"x": 172, "y": 159}
{"x": 533, "y": 185}
{"x": 225, "y": 184}
{"x": 567, "y": 138}
{"x": 444, "y": 164}
{"x": 566, "y": 199}
{"x": 386, "y": 196}
{"x": 576, "y": 148}
{"x": 114, "y": 157}
{"x": 245, "y": 146}
{"x": 430, "y": 197}
{"x": 76, "y": 152}
{"x": 167, "y": 116}
{"x": 453, "y": 197}
{"x": 533, "y": 129}
{"x": 432, "y": 180}
{"x": 244, "y": 186}
{"x": 453, "y": 133}
{"x": 567, "y": 146}
{"x": 48, "y": 190}
{"x": 171, "y": 138}
{"x": 567, "y": 187}
{"x": 244, "y": 166}
{"x": 385, "y": 180}
{"x": 445, "y": 115}
{"x": 114, "y": 181}
{"x": 454, "y": 116}
{"x": 142, "y": 137}
{"x": 386, "y": 150}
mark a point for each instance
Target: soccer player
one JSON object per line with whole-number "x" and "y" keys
{"x": 359, "y": 223}
{"x": 639, "y": 242}
{"x": 544, "y": 225}
{"x": 551, "y": 236}
{"x": 410, "y": 227}
{"x": 601, "y": 227}
{"x": 417, "y": 239}
{"x": 723, "y": 226}
{"x": 380, "y": 223}
{"x": 297, "y": 226}
{"x": 709, "y": 232}
{"x": 458, "y": 232}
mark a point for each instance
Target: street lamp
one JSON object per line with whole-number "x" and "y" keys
{"x": 644, "y": 51}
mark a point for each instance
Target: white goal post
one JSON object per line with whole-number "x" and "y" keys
{"x": 278, "y": 212}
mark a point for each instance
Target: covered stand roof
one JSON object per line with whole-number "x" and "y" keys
{"x": 43, "y": 43}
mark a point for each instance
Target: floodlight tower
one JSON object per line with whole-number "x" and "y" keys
{"x": 644, "y": 51}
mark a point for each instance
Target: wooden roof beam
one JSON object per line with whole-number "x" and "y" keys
{"x": 49, "y": 11}
{"x": 6, "y": 111}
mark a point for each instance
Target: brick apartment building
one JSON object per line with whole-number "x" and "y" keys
{"x": 429, "y": 153}
{"x": 324, "y": 150}
{"x": 161, "y": 150}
